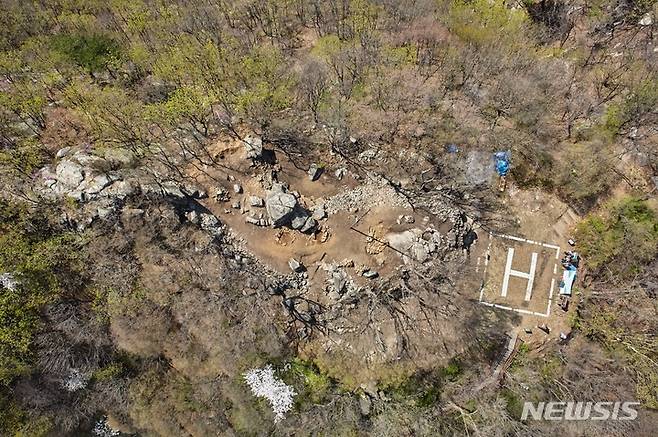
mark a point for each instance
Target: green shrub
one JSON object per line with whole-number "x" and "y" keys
{"x": 622, "y": 237}
{"x": 111, "y": 371}
{"x": 641, "y": 101}
{"x": 42, "y": 261}
{"x": 452, "y": 370}
{"x": 316, "y": 384}
{"x": 92, "y": 52}
{"x": 482, "y": 22}
{"x": 513, "y": 403}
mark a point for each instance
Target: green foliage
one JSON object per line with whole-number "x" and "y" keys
{"x": 363, "y": 16}
{"x": 92, "y": 52}
{"x": 513, "y": 403}
{"x": 521, "y": 358}
{"x": 641, "y": 101}
{"x": 622, "y": 237}
{"x": 327, "y": 46}
{"x": 483, "y": 22}
{"x": 16, "y": 423}
{"x": 550, "y": 369}
{"x": 452, "y": 371}
{"x": 25, "y": 158}
{"x": 265, "y": 87}
{"x": 109, "y": 372}
{"x": 316, "y": 385}
{"x": 111, "y": 113}
{"x": 403, "y": 55}
{"x": 27, "y": 101}
{"x": 534, "y": 169}
{"x": 423, "y": 389}
{"x": 573, "y": 317}
{"x": 39, "y": 259}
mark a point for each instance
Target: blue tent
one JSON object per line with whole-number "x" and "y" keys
{"x": 502, "y": 160}
{"x": 568, "y": 278}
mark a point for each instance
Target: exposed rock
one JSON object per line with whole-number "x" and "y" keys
{"x": 314, "y": 172}
{"x": 364, "y": 405}
{"x": 375, "y": 192}
{"x": 211, "y": 224}
{"x": 367, "y": 155}
{"x": 347, "y": 263}
{"x": 120, "y": 190}
{"x": 194, "y": 191}
{"x": 104, "y": 212}
{"x": 95, "y": 185}
{"x": 370, "y": 274}
{"x": 340, "y": 173}
{"x": 237, "y": 188}
{"x": 168, "y": 188}
{"x": 281, "y": 206}
{"x": 253, "y": 147}
{"x": 193, "y": 217}
{"x": 338, "y": 281}
{"x": 420, "y": 252}
{"x": 298, "y": 221}
{"x": 319, "y": 212}
{"x": 402, "y": 241}
{"x": 309, "y": 225}
{"x": 222, "y": 194}
{"x": 296, "y": 266}
{"x": 252, "y": 220}
{"x": 256, "y": 201}
{"x": 8, "y": 281}
{"x": 415, "y": 244}
{"x": 87, "y": 160}
{"x": 236, "y": 205}
{"x": 63, "y": 152}
{"x": 129, "y": 214}
{"x": 647, "y": 20}
{"x": 69, "y": 173}
{"x": 119, "y": 157}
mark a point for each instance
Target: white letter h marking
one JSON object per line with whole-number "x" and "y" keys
{"x": 530, "y": 277}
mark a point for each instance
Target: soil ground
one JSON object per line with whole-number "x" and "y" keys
{"x": 336, "y": 241}
{"x": 541, "y": 217}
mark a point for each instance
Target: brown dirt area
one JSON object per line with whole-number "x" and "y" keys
{"x": 335, "y": 241}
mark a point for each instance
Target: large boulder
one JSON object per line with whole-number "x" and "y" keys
{"x": 284, "y": 210}
{"x": 281, "y": 206}
{"x": 415, "y": 244}
{"x": 69, "y": 173}
{"x": 253, "y": 147}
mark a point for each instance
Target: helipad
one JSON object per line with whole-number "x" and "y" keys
{"x": 519, "y": 274}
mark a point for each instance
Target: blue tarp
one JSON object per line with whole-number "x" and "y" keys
{"x": 568, "y": 278}
{"x": 502, "y": 160}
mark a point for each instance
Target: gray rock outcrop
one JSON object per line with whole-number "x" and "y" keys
{"x": 253, "y": 147}
{"x": 281, "y": 206}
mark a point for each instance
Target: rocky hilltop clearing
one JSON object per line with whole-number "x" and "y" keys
{"x": 328, "y": 218}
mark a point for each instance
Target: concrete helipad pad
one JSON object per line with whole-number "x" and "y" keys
{"x": 519, "y": 274}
